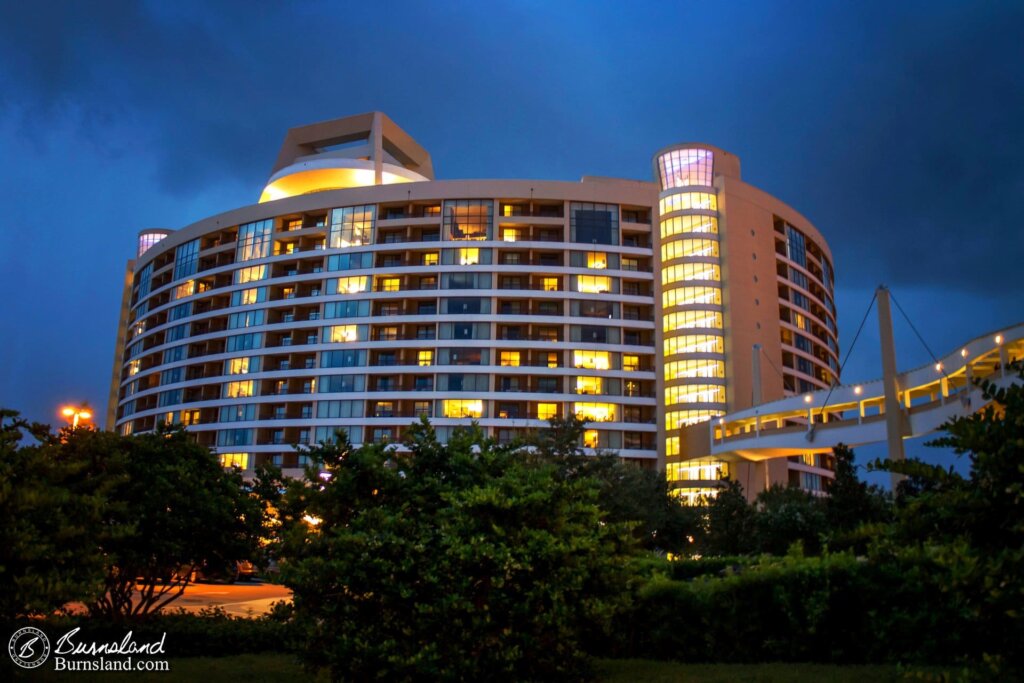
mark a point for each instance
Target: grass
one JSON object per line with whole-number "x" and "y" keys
{"x": 274, "y": 668}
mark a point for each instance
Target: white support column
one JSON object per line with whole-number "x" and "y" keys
{"x": 893, "y": 411}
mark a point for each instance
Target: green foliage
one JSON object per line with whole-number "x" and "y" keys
{"x": 48, "y": 520}
{"x": 464, "y": 561}
{"x": 788, "y": 515}
{"x": 729, "y": 523}
{"x": 117, "y": 522}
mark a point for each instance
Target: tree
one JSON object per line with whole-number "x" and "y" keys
{"x": 173, "y": 510}
{"x": 729, "y": 525}
{"x": 48, "y": 523}
{"x": 460, "y": 561}
{"x": 788, "y": 515}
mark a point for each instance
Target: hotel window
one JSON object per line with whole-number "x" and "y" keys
{"x": 186, "y": 259}
{"x": 684, "y": 201}
{"x": 689, "y": 247}
{"x": 242, "y": 366}
{"x": 389, "y": 284}
{"x": 424, "y": 358}
{"x": 347, "y": 285}
{"x": 245, "y": 297}
{"x": 468, "y": 219}
{"x": 796, "y": 247}
{"x": 685, "y": 272}
{"x": 594, "y": 223}
{"x": 351, "y": 226}
{"x": 185, "y": 289}
{"x": 550, "y": 284}
{"x": 546, "y": 411}
{"x": 239, "y": 460}
{"x": 552, "y": 358}
{"x": 430, "y": 259}
{"x": 686, "y": 296}
{"x": 253, "y": 241}
{"x": 593, "y": 360}
{"x": 694, "y": 368}
{"x": 245, "y": 342}
{"x": 691, "y": 319}
{"x": 597, "y": 412}
{"x": 469, "y": 257}
{"x": 589, "y": 385}
{"x": 683, "y": 225}
{"x": 463, "y": 408}
{"x": 593, "y": 284}
{"x": 245, "y": 319}
{"x": 694, "y": 393}
{"x": 630, "y": 362}
{"x": 421, "y": 409}
{"x": 238, "y": 389}
{"x": 686, "y": 167}
{"x": 694, "y": 343}
{"x": 597, "y": 260}
{"x": 511, "y": 234}
{"x": 250, "y": 274}
{"x": 340, "y": 334}
{"x": 509, "y": 358}
{"x": 590, "y": 438}
{"x": 133, "y": 367}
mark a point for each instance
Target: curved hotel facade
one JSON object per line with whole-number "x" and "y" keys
{"x": 361, "y": 293}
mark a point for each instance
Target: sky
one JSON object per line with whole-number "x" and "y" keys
{"x": 896, "y": 128}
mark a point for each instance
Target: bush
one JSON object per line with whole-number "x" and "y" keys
{"x": 834, "y": 608}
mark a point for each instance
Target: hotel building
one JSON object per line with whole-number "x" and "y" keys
{"x": 360, "y": 293}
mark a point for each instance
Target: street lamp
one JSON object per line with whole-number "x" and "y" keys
{"x": 75, "y": 414}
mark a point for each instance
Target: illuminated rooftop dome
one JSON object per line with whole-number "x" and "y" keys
{"x": 355, "y": 151}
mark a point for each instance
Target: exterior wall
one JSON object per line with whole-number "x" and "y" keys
{"x": 298, "y": 327}
{"x": 254, "y": 415}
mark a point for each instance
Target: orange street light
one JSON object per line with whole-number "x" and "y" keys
{"x": 76, "y": 414}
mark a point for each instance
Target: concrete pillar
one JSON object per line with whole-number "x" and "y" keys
{"x": 377, "y": 140}
{"x": 893, "y": 411}
{"x": 755, "y": 366}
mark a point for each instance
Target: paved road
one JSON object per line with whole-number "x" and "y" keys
{"x": 243, "y": 599}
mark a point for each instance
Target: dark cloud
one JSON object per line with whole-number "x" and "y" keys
{"x": 896, "y": 127}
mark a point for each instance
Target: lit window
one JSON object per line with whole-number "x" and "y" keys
{"x": 238, "y": 389}
{"x": 550, "y": 284}
{"x": 590, "y": 438}
{"x": 597, "y": 412}
{"x": 672, "y": 446}
{"x": 510, "y": 358}
{"x": 511, "y": 234}
{"x": 546, "y": 411}
{"x": 239, "y": 460}
{"x": 430, "y": 259}
{"x": 685, "y": 296}
{"x": 685, "y": 201}
{"x": 683, "y": 225}
{"x": 694, "y": 343}
{"x": 238, "y": 366}
{"x": 250, "y": 296}
{"x": 390, "y": 284}
{"x": 597, "y": 260}
{"x": 594, "y": 360}
{"x": 351, "y": 285}
{"x": 469, "y": 257}
{"x": 133, "y": 367}
{"x": 463, "y": 408}
{"x": 185, "y": 289}
{"x": 553, "y": 360}
{"x": 250, "y": 274}
{"x": 694, "y": 368}
{"x": 340, "y": 334}
{"x": 630, "y": 363}
{"x": 588, "y": 385}
{"x": 694, "y": 393}
{"x": 593, "y": 284}
{"x": 425, "y": 358}
{"x": 690, "y": 319}
{"x": 684, "y": 272}
{"x": 190, "y": 417}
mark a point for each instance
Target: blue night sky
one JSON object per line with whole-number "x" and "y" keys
{"x": 897, "y": 128}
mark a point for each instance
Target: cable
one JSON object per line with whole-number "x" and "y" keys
{"x": 920, "y": 338}
{"x": 849, "y": 351}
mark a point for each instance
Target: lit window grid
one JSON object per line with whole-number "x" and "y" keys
{"x": 684, "y": 320}
{"x": 686, "y": 168}
{"x": 689, "y": 225}
{"x": 689, "y": 248}
{"x": 697, "y": 470}
{"x": 688, "y": 272}
{"x": 687, "y": 201}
